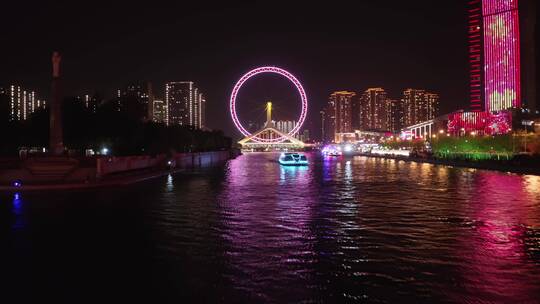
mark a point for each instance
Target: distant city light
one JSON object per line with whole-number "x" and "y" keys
{"x": 391, "y": 152}
{"x": 331, "y": 150}
{"x": 104, "y": 151}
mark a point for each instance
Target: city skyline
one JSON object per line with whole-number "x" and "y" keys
{"x": 116, "y": 57}
{"x": 270, "y": 152}
{"x": 374, "y": 110}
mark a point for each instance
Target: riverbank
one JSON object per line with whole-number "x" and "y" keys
{"x": 71, "y": 174}
{"x": 502, "y": 166}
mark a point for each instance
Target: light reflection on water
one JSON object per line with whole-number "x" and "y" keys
{"x": 18, "y": 211}
{"x": 340, "y": 229}
{"x": 362, "y": 228}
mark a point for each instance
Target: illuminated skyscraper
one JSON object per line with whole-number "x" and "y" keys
{"x": 339, "y": 112}
{"x": 160, "y": 111}
{"x": 431, "y": 106}
{"x": 419, "y": 106}
{"x": 395, "y": 115}
{"x": 375, "y": 110}
{"x": 502, "y": 50}
{"x": 202, "y": 112}
{"x": 185, "y": 104}
{"x": 322, "y": 114}
{"x": 494, "y": 55}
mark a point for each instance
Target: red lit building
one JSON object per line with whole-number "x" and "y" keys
{"x": 494, "y": 55}
{"x": 461, "y": 123}
{"x": 502, "y": 66}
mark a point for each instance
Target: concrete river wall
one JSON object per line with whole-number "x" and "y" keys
{"x": 65, "y": 170}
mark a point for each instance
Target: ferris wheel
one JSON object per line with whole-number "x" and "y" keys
{"x": 281, "y": 137}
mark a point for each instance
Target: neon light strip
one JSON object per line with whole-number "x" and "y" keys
{"x": 475, "y": 55}
{"x": 275, "y": 70}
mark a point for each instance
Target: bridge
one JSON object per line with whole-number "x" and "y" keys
{"x": 273, "y": 139}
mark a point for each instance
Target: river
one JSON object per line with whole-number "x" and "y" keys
{"x": 340, "y": 230}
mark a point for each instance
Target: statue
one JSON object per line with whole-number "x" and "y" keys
{"x": 56, "y": 58}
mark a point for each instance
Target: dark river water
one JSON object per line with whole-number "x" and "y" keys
{"x": 341, "y": 230}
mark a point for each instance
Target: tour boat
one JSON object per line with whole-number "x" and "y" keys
{"x": 293, "y": 159}
{"x": 334, "y": 153}
{"x": 331, "y": 151}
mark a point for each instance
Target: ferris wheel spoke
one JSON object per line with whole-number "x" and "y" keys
{"x": 274, "y": 70}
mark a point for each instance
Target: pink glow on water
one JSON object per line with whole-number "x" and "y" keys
{"x": 498, "y": 242}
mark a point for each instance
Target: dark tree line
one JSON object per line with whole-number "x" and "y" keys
{"x": 117, "y": 125}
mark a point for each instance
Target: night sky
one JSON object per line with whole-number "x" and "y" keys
{"x": 330, "y": 46}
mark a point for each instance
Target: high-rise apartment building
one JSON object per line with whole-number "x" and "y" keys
{"x": 160, "y": 111}
{"x": 339, "y": 112}
{"x": 22, "y": 102}
{"x": 324, "y": 127}
{"x": 202, "y": 115}
{"x": 395, "y": 116}
{"x": 185, "y": 104}
{"x": 419, "y": 106}
{"x": 375, "y": 110}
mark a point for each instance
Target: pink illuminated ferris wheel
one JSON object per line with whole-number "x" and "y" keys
{"x": 274, "y": 70}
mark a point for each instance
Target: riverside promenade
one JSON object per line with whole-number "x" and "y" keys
{"x": 64, "y": 173}
{"x": 513, "y": 166}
